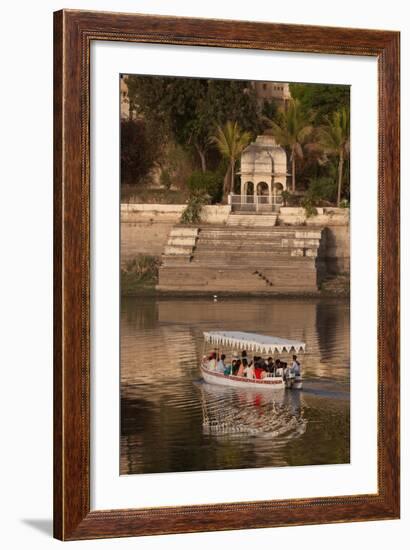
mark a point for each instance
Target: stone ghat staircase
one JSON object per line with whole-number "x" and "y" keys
{"x": 252, "y": 220}
{"x": 236, "y": 259}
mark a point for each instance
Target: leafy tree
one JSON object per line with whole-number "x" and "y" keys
{"x": 321, "y": 99}
{"x": 322, "y": 189}
{"x": 334, "y": 138}
{"x": 291, "y": 131}
{"x": 209, "y": 183}
{"x": 231, "y": 141}
{"x": 139, "y": 150}
{"x": 270, "y": 110}
{"x": 191, "y": 107}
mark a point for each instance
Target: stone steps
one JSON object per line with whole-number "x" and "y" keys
{"x": 235, "y": 258}
{"x": 248, "y": 257}
{"x": 251, "y": 245}
{"x": 231, "y": 280}
{"x": 253, "y": 232}
{"x": 252, "y": 220}
{"x": 181, "y": 243}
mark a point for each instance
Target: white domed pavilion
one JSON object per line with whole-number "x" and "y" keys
{"x": 263, "y": 171}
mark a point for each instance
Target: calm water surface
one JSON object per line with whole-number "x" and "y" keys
{"x": 172, "y": 421}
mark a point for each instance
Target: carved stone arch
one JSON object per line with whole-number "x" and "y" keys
{"x": 262, "y": 188}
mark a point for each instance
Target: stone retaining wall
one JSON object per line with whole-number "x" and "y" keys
{"x": 335, "y": 246}
{"x": 145, "y": 229}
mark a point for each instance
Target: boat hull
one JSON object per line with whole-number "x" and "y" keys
{"x": 220, "y": 379}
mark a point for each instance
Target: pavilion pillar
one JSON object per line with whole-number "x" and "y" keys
{"x": 243, "y": 190}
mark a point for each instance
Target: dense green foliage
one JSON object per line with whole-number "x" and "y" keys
{"x": 322, "y": 190}
{"x": 192, "y": 213}
{"x": 230, "y": 141}
{"x": 191, "y": 108}
{"x": 139, "y": 150}
{"x": 321, "y": 99}
{"x": 184, "y": 126}
{"x": 334, "y": 139}
{"x": 292, "y": 129}
{"x": 206, "y": 183}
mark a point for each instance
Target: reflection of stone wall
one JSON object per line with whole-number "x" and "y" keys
{"x": 323, "y": 324}
{"x": 286, "y": 318}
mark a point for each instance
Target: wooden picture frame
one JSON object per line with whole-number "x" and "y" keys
{"x": 74, "y": 32}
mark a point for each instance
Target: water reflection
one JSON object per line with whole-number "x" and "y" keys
{"x": 172, "y": 421}
{"x": 242, "y": 412}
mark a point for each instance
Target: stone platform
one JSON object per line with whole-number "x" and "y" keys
{"x": 236, "y": 258}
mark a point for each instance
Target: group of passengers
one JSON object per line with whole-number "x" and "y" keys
{"x": 256, "y": 368}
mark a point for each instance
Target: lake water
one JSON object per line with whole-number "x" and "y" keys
{"x": 172, "y": 421}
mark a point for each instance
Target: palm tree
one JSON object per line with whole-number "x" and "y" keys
{"x": 292, "y": 131}
{"x": 334, "y": 139}
{"x": 231, "y": 141}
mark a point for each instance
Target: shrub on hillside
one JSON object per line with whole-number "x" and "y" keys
{"x": 206, "y": 183}
{"x": 192, "y": 213}
{"x": 322, "y": 189}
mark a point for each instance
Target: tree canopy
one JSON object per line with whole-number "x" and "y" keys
{"x": 292, "y": 131}
{"x": 191, "y": 108}
{"x": 321, "y": 99}
{"x": 181, "y": 124}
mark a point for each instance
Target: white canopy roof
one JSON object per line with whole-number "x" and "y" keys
{"x": 254, "y": 342}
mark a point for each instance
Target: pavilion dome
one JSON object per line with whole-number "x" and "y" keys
{"x": 256, "y": 159}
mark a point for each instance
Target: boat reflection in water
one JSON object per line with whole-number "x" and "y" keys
{"x": 232, "y": 412}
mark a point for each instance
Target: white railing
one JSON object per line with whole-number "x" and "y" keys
{"x": 254, "y": 203}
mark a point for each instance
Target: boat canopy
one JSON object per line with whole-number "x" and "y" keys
{"x": 254, "y": 342}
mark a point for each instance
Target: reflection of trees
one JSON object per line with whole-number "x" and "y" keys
{"x": 333, "y": 330}
{"x": 153, "y": 437}
{"x": 155, "y": 358}
{"x": 331, "y": 435}
{"x": 139, "y": 312}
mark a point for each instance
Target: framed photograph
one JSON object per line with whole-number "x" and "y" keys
{"x": 226, "y": 275}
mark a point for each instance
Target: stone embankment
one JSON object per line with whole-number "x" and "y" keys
{"x": 146, "y": 228}
{"x": 240, "y": 259}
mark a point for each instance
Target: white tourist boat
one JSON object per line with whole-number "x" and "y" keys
{"x": 252, "y": 342}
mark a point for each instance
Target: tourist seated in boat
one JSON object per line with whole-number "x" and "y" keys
{"x": 243, "y": 364}
{"x": 295, "y": 368}
{"x": 235, "y": 366}
{"x": 228, "y": 370}
{"x": 270, "y": 366}
{"x": 220, "y": 365}
{"x": 259, "y": 368}
{"x": 212, "y": 361}
{"x": 250, "y": 371}
{"x": 280, "y": 367}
